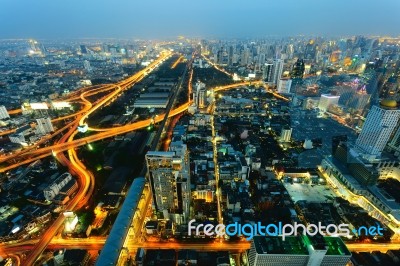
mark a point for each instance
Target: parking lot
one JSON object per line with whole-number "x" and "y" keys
{"x": 310, "y": 193}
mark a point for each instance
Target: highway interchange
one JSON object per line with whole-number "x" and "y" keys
{"x": 68, "y": 143}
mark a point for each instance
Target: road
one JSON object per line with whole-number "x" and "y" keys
{"x": 105, "y": 133}
{"x": 96, "y": 243}
{"x": 85, "y": 178}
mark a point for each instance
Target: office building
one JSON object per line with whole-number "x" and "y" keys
{"x": 327, "y": 100}
{"x": 284, "y": 85}
{"x": 200, "y": 95}
{"x": 44, "y": 126}
{"x": 3, "y": 112}
{"x": 394, "y": 143}
{"x": 277, "y": 70}
{"x": 170, "y": 181}
{"x": 298, "y": 69}
{"x": 267, "y": 72}
{"x": 286, "y": 134}
{"x": 87, "y": 66}
{"x": 298, "y": 251}
{"x": 83, "y": 49}
{"x": 378, "y": 127}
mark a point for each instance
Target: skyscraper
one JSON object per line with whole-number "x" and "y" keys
{"x": 87, "y": 66}
{"x": 170, "y": 182}
{"x": 394, "y": 143}
{"x": 83, "y": 49}
{"x": 245, "y": 57}
{"x": 277, "y": 70}
{"x": 200, "y": 95}
{"x": 44, "y": 126}
{"x": 267, "y": 72}
{"x": 298, "y": 69}
{"x": 230, "y": 55}
{"x": 380, "y": 123}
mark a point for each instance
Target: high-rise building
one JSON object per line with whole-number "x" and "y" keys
{"x": 298, "y": 251}
{"x": 230, "y": 55}
{"x": 87, "y": 66}
{"x": 284, "y": 85}
{"x": 44, "y": 126}
{"x": 267, "y": 72}
{"x": 286, "y": 134}
{"x": 170, "y": 181}
{"x": 200, "y": 95}
{"x": 245, "y": 57}
{"x": 378, "y": 127}
{"x": 394, "y": 143}
{"x": 83, "y": 49}
{"x": 298, "y": 69}
{"x": 3, "y": 112}
{"x": 290, "y": 51}
{"x": 220, "y": 57}
{"x": 277, "y": 70}
{"x": 359, "y": 100}
{"x": 327, "y": 100}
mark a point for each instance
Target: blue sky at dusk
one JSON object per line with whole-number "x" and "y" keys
{"x": 205, "y": 18}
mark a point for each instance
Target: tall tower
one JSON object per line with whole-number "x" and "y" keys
{"x": 277, "y": 70}
{"x": 298, "y": 69}
{"x": 378, "y": 127}
{"x": 267, "y": 72}
{"x": 87, "y": 66}
{"x": 230, "y": 55}
{"x": 168, "y": 174}
{"x": 394, "y": 143}
{"x": 200, "y": 95}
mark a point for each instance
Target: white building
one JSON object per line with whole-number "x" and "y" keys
{"x": 298, "y": 251}
{"x": 170, "y": 181}
{"x": 200, "y": 95}
{"x": 327, "y": 100}
{"x": 277, "y": 70}
{"x": 3, "y": 112}
{"x": 18, "y": 138}
{"x": 378, "y": 127}
{"x": 44, "y": 126}
{"x": 87, "y": 66}
{"x": 286, "y": 134}
{"x": 284, "y": 85}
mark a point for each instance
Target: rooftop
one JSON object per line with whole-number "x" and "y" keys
{"x": 275, "y": 245}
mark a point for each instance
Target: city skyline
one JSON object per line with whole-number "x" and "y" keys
{"x": 207, "y": 19}
{"x": 200, "y": 133}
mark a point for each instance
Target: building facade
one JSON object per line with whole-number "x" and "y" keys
{"x": 380, "y": 124}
